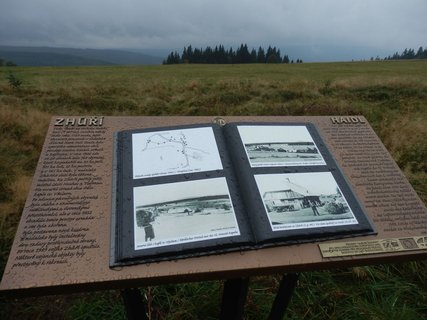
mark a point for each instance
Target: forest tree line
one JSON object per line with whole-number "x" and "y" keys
{"x": 220, "y": 55}
{"x": 408, "y": 54}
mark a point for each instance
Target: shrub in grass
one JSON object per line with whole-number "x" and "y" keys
{"x": 14, "y": 81}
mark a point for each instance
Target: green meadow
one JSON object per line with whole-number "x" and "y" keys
{"x": 392, "y": 95}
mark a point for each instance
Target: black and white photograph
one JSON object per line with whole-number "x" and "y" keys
{"x": 303, "y": 200}
{"x": 163, "y": 153}
{"x": 183, "y": 212}
{"x": 270, "y": 146}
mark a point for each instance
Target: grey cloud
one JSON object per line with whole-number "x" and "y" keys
{"x": 386, "y": 24}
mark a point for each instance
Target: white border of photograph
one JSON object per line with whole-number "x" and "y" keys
{"x": 258, "y": 134}
{"x": 172, "y": 227}
{"x": 169, "y": 152}
{"x": 290, "y": 193}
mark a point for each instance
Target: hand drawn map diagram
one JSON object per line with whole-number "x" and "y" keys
{"x": 171, "y": 152}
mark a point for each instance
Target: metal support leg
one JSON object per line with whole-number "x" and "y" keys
{"x": 283, "y": 297}
{"x": 234, "y": 298}
{"x": 134, "y": 305}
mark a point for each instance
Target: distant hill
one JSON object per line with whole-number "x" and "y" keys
{"x": 47, "y": 56}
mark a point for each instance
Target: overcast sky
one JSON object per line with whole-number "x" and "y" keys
{"x": 382, "y": 25}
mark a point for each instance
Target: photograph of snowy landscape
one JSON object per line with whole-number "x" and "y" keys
{"x": 183, "y": 212}
{"x": 268, "y": 146}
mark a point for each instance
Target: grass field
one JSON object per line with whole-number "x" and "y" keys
{"x": 392, "y": 95}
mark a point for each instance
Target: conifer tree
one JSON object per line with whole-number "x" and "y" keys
{"x": 253, "y": 56}
{"x": 261, "y": 55}
{"x": 420, "y": 52}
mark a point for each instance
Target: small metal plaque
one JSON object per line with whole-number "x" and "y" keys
{"x": 354, "y": 248}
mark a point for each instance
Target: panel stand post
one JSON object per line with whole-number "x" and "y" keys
{"x": 134, "y": 305}
{"x": 234, "y": 298}
{"x": 283, "y": 297}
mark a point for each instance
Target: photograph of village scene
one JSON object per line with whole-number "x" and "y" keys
{"x": 280, "y": 146}
{"x": 183, "y": 212}
{"x": 303, "y": 200}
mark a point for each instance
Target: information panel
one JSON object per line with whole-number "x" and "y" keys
{"x": 63, "y": 240}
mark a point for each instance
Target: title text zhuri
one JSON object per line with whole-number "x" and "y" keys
{"x": 82, "y": 121}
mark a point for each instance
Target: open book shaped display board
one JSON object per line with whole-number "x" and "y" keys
{"x": 201, "y": 189}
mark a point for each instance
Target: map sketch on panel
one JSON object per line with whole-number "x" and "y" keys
{"x": 174, "y": 152}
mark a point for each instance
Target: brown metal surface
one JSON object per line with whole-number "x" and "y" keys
{"x": 63, "y": 240}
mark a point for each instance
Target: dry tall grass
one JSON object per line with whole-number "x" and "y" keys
{"x": 391, "y": 95}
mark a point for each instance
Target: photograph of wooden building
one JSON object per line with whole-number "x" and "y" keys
{"x": 291, "y": 198}
{"x": 303, "y": 200}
